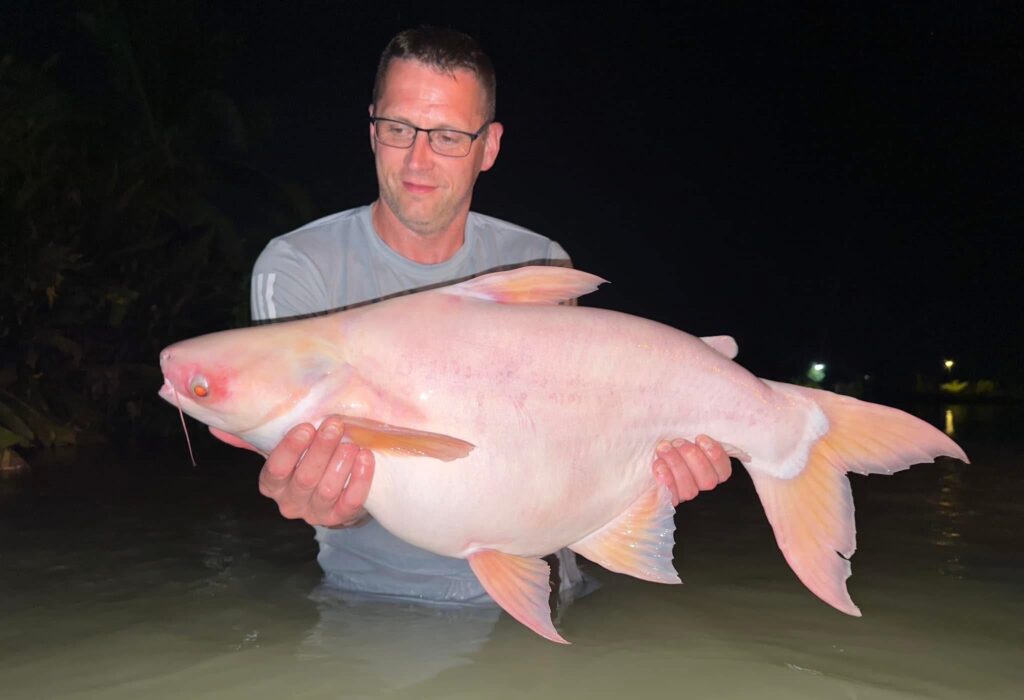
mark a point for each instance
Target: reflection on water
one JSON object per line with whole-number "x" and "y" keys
{"x": 144, "y": 579}
{"x": 420, "y": 641}
{"x": 949, "y": 514}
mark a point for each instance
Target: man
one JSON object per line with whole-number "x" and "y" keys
{"x": 432, "y": 132}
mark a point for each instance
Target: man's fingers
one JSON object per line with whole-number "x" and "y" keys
{"x": 313, "y": 464}
{"x": 698, "y": 464}
{"x": 314, "y": 476}
{"x": 280, "y": 465}
{"x": 350, "y": 505}
{"x": 685, "y": 486}
{"x": 664, "y": 476}
{"x": 716, "y": 455}
{"x": 329, "y": 490}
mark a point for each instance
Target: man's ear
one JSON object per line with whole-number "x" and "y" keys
{"x": 373, "y": 139}
{"x": 492, "y": 144}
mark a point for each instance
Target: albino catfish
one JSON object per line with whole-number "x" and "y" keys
{"x": 506, "y": 426}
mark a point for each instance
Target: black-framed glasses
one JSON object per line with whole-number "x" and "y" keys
{"x": 444, "y": 142}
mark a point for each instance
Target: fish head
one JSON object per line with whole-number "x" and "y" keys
{"x": 242, "y": 381}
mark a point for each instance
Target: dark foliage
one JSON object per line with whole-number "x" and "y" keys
{"x": 122, "y": 205}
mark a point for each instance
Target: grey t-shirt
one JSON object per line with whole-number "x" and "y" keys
{"x": 338, "y": 261}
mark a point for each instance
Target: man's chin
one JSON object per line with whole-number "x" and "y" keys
{"x": 426, "y": 225}
{"x": 421, "y": 218}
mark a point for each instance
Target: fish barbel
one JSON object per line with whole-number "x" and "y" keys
{"x": 506, "y": 426}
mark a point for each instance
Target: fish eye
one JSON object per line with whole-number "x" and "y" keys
{"x": 199, "y": 386}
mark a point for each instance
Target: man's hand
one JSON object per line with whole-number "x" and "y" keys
{"x": 687, "y": 468}
{"x": 306, "y": 474}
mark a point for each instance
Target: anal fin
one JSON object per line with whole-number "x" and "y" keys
{"x": 639, "y": 541}
{"x": 520, "y": 585}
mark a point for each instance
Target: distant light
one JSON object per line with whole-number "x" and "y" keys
{"x": 948, "y": 364}
{"x": 950, "y": 427}
{"x": 817, "y": 371}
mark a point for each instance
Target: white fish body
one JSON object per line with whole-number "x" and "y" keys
{"x": 507, "y": 427}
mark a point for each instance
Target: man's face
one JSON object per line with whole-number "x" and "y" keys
{"x": 424, "y": 190}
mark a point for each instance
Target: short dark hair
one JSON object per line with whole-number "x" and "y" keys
{"x": 445, "y": 50}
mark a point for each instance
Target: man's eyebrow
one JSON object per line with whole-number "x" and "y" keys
{"x": 443, "y": 125}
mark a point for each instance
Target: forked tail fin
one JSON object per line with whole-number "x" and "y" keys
{"x": 812, "y": 513}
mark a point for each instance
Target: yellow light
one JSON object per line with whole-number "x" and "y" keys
{"x": 950, "y": 427}
{"x": 948, "y": 364}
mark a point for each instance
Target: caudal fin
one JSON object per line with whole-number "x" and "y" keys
{"x": 812, "y": 513}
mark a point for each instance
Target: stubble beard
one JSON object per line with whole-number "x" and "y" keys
{"x": 442, "y": 215}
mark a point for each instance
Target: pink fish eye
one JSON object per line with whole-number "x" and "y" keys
{"x": 199, "y": 386}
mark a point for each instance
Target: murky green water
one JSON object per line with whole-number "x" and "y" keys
{"x": 154, "y": 579}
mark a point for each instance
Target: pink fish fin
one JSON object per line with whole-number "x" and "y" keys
{"x": 812, "y": 516}
{"x": 639, "y": 541}
{"x": 391, "y": 439}
{"x": 723, "y": 344}
{"x": 812, "y": 513}
{"x": 234, "y": 440}
{"x": 867, "y": 438}
{"x": 520, "y": 585}
{"x": 537, "y": 284}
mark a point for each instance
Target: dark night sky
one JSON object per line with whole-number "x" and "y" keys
{"x": 821, "y": 181}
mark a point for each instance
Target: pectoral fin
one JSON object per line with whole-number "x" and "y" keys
{"x": 639, "y": 541}
{"x": 391, "y": 439}
{"x": 520, "y": 585}
{"x": 537, "y": 284}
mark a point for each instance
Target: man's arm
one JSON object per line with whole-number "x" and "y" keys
{"x": 285, "y": 283}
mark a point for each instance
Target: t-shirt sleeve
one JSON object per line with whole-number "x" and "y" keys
{"x": 285, "y": 283}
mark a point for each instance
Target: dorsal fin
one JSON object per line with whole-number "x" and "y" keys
{"x": 723, "y": 344}
{"x": 537, "y": 284}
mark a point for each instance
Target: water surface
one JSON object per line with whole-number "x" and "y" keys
{"x": 146, "y": 577}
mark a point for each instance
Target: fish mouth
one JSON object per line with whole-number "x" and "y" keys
{"x": 166, "y": 391}
{"x": 169, "y": 393}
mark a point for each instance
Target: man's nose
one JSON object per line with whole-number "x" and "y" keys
{"x": 420, "y": 156}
